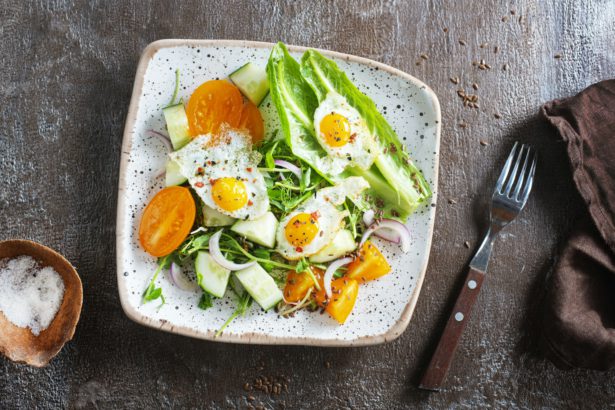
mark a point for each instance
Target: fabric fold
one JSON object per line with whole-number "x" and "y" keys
{"x": 579, "y": 307}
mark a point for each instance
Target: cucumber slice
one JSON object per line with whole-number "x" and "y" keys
{"x": 173, "y": 174}
{"x": 342, "y": 243}
{"x": 213, "y": 217}
{"x": 260, "y": 230}
{"x": 177, "y": 125}
{"x": 252, "y": 81}
{"x": 212, "y": 277}
{"x": 260, "y": 286}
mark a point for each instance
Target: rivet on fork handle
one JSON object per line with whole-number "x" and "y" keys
{"x": 443, "y": 356}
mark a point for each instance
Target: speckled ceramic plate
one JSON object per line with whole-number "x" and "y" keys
{"x": 384, "y": 307}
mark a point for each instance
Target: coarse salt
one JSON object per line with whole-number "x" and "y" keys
{"x": 30, "y": 295}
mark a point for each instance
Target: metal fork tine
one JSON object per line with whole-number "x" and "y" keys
{"x": 504, "y": 173}
{"x": 513, "y": 174}
{"x": 519, "y": 183}
{"x": 530, "y": 181}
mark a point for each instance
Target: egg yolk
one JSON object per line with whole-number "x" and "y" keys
{"x": 335, "y": 129}
{"x": 229, "y": 193}
{"x": 301, "y": 229}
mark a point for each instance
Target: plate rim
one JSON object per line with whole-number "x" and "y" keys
{"x": 252, "y": 337}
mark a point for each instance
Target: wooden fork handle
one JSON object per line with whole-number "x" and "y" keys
{"x": 443, "y": 356}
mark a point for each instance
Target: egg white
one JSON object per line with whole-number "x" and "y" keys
{"x": 227, "y": 154}
{"x": 362, "y": 150}
{"x": 330, "y": 218}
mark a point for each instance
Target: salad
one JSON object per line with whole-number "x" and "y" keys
{"x": 284, "y": 220}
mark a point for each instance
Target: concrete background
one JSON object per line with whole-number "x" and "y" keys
{"x": 67, "y": 73}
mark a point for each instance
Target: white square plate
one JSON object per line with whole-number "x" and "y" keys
{"x": 384, "y": 306}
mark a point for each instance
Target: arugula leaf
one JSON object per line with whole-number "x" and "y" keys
{"x": 152, "y": 292}
{"x": 264, "y": 254}
{"x": 195, "y": 243}
{"x": 303, "y": 266}
{"x": 269, "y": 155}
{"x": 305, "y": 179}
{"x": 394, "y": 164}
{"x": 206, "y": 301}
{"x": 244, "y": 303}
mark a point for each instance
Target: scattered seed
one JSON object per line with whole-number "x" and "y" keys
{"x": 328, "y": 365}
{"x": 452, "y": 201}
{"x": 424, "y": 56}
{"x": 483, "y": 45}
{"x": 454, "y": 80}
{"x": 504, "y": 19}
{"x": 496, "y": 49}
{"x": 467, "y": 244}
{"x": 497, "y": 115}
{"x": 247, "y": 387}
{"x": 505, "y": 67}
{"x": 558, "y": 55}
{"x": 488, "y": 66}
{"x": 461, "y": 42}
{"x": 484, "y": 143}
{"x": 445, "y": 29}
{"x": 251, "y": 398}
{"x": 520, "y": 19}
{"x": 463, "y": 124}
{"x": 513, "y": 12}
{"x": 418, "y": 63}
{"x": 475, "y": 86}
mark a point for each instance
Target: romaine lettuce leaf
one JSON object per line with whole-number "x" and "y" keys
{"x": 394, "y": 164}
{"x": 296, "y": 101}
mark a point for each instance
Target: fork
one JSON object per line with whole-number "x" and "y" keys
{"x": 510, "y": 196}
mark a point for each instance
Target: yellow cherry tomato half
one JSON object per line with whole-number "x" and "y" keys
{"x": 167, "y": 220}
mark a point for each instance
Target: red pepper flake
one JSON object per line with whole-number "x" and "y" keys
{"x": 250, "y": 203}
{"x": 200, "y": 171}
{"x": 249, "y": 169}
{"x": 199, "y": 184}
{"x": 315, "y": 215}
{"x": 212, "y": 181}
{"x": 299, "y": 249}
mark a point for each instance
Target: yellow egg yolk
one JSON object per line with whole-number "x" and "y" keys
{"x": 229, "y": 193}
{"x": 335, "y": 129}
{"x": 301, "y": 230}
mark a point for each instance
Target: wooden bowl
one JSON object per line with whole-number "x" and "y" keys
{"x": 20, "y": 344}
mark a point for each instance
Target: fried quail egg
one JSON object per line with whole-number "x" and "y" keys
{"x": 222, "y": 169}
{"x": 343, "y": 133}
{"x": 313, "y": 225}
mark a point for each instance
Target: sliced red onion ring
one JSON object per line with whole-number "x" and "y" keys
{"x": 335, "y": 265}
{"x": 216, "y": 254}
{"x": 179, "y": 279}
{"x": 386, "y": 234}
{"x": 291, "y": 167}
{"x": 163, "y": 138}
{"x": 393, "y": 225}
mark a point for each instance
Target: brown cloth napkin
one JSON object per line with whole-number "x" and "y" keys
{"x": 579, "y": 307}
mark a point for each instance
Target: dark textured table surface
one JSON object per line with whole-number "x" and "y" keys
{"x": 67, "y": 74}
